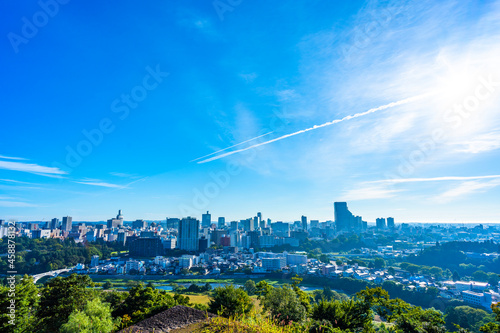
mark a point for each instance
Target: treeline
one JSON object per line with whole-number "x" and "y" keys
{"x": 289, "y": 309}
{"x": 452, "y": 256}
{"x": 72, "y": 304}
{"x": 41, "y": 255}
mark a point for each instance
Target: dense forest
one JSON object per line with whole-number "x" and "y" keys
{"x": 41, "y": 255}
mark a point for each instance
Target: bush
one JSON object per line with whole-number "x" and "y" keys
{"x": 345, "y": 315}
{"x": 284, "y": 305}
{"x": 229, "y": 301}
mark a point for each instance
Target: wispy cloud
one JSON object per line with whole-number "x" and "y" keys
{"x": 96, "y": 182}
{"x": 16, "y": 182}
{"x": 336, "y": 121}
{"x": 467, "y": 188}
{"x": 218, "y": 151}
{"x": 434, "y": 179}
{"x": 125, "y": 175}
{"x": 11, "y": 158}
{"x": 369, "y": 192}
{"x": 6, "y": 203}
{"x": 32, "y": 168}
{"x": 480, "y": 144}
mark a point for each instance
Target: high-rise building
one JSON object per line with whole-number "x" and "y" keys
{"x": 54, "y": 223}
{"x": 255, "y": 222}
{"x": 146, "y": 247}
{"x": 139, "y": 224}
{"x": 259, "y": 216}
{"x": 120, "y": 216}
{"x": 303, "y": 220}
{"x": 247, "y": 224}
{"x": 380, "y": 222}
{"x": 206, "y": 219}
{"x": 67, "y": 223}
{"x": 234, "y": 225}
{"x": 314, "y": 224}
{"x": 114, "y": 223}
{"x": 216, "y": 235}
{"x": 189, "y": 229}
{"x": 390, "y": 222}
{"x": 281, "y": 229}
{"x": 172, "y": 223}
{"x": 221, "y": 222}
{"x": 344, "y": 219}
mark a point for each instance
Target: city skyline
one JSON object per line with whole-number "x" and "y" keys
{"x": 193, "y": 108}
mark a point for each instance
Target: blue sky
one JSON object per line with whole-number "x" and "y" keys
{"x": 108, "y": 107}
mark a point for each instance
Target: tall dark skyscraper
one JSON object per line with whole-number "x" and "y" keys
{"x": 206, "y": 219}
{"x": 221, "y": 222}
{"x": 189, "y": 229}
{"x": 343, "y": 216}
{"x": 390, "y": 222}
{"x": 344, "y": 219}
{"x": 303, "y": 219}
{"x": 67, "y": 223}
{"x": 380, "y": 222}
{"x": 54, "y": 223}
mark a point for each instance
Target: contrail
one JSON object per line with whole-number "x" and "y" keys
{"x": 336, "y": 121}
{"x": 218, "y": 151}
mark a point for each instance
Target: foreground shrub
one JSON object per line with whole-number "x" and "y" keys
{"x": 229, "y": 301}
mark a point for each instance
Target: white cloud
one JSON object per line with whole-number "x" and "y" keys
{"x": 11, "y": 158}
{"x": 96, "y": 182}
{"x": 125, "y": 175}
{"x": 16, "y": 182}
{"x": 467, "y": 188}
{"x": 434, "y": 179}
{"x": 369, "y": 192}
{"x": 32, "y": 168}
{"x": 480, "y": 144}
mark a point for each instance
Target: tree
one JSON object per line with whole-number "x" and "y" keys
{"x": 324, "y": 258}
{"x": 59, "y": 298}
{"x": 284, "y": 305}
{"x": 493, "y": 279}
{"x": 464, "y": 316}
{"x": 250, "y": 287}
{"x": 304, "y": 298}
{"x": 26, "y": 302}
{"x": 142, "y": 301}
{"x": 347, "y": 315}
{"x": 456, "y": 276}
{"x": 107, "y": 285}
{"x": 493, "y": 327}
{"x": 263, "y": 288}
{"x": 229, "y": 301}
{"x": 95, "y": 317}
{"x": 480, "y": 276}
{"x": 379, "y": 263}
